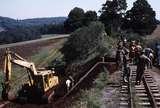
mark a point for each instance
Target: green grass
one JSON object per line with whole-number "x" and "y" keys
{"x": 92, "y": 98}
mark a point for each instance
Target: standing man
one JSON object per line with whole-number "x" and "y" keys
{"x": 142, "y": 62}
{"x": 125, "y": 65}
{"x": 138, "y": 51}
{"x": 149, "y": 53}
{"x": 151, "y": 57}
{"x": 132, "y": 49}
{"x": 119, "y": 55}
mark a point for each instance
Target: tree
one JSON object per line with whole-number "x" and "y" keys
{"x": 112, "y": 14}
{"x": 84, "y": 42}
{"x": 75, "y": 20}
{"x": 89, "y": 16}
{"x": 141, "y": 18}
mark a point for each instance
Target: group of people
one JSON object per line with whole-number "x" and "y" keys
{"x": 133, "y": 53}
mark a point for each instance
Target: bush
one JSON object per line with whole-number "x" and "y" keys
{"x": 101, "y": 81}
{"x": 86, "y": 41}
{"x": 92, "y": 98}
{"x": 134, "y": 36}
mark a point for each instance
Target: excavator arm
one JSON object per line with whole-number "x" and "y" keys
{"x": 13, "y": 58}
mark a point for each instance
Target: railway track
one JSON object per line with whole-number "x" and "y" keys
{"x": 146, "y": 95}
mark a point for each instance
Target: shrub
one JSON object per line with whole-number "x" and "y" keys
{"x": 85, "y": 42}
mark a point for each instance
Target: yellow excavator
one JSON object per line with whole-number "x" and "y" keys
{"x": 40, "y": 81}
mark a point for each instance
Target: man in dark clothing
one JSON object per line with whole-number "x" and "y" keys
{"x": 142, "y": 62}
{"x": 125, "y": 53}
{"x": 119, "y": 55}
{"x": 138, "y": 51}
{"x": 132, "y": 49}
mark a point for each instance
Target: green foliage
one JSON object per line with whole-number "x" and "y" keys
{"x": 19, "y": 34}
{"x": 134, "y": 36}
{"x": 141, "y": 18}
{"x": 89, "y": 16}
{"x": 75, "y": 19}
{"x": 85, "y": 42}
{"x": 101, "y": 81}
{"x": 29, "y": 33}
{"x": 92, "y": 98}
{"x": 112, "y": 14}
{"x": 51, "y": 29}
{"x": 78, "y": 18}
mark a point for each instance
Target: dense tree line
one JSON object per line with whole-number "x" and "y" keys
{"x": 139, "y": 19}
{"x": 52, "y": 29}
{"x": 78, "y": 18}
{"x": 29, "y": 33}
{"x": 112, "y": 14}
{"x": 19, "y": 34}
{"x": 9, "y": 23}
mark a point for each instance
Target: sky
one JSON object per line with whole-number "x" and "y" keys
{"x": 23, "y": 9}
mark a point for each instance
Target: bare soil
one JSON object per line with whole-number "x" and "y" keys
{"x": 28, "y": 50}
{"x": 155, "y": 34}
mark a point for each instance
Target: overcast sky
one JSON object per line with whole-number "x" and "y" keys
{"x": 22, "y": 9}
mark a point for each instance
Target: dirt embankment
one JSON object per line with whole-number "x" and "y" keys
{"x": 155, "y": 34}
{"x": 30, "y": 49}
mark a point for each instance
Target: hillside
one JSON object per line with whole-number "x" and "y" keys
{"x": 9, "y": 23}
{"x": 2, "y": 29}
{"x": 42, "y": 21}
{"x": 155, "y": 34}
{"x": 12, "y": 30}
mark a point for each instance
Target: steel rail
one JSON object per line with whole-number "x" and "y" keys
{"x": 149, "y": 93}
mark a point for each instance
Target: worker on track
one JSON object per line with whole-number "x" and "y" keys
{"x": 119, "y": 55}
{"x": 142, "y": 62}
{"x": 125, "y": 43}
{"x": 149, "y": 53}
{"x": 138, "y": 50}
{"x": 125, "y": 65}
{"x": 151, "y": 57}
{"x": 132, "y": 49}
